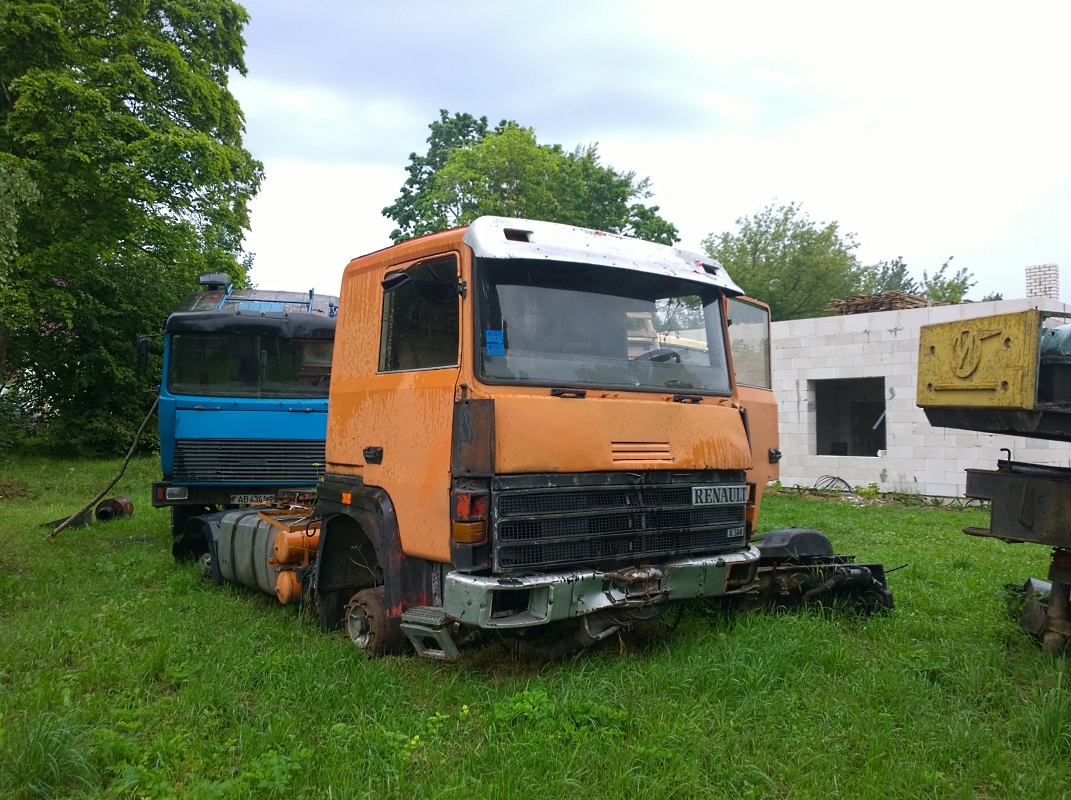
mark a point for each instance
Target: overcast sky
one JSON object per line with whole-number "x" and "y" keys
{"x": 929, "y": 130}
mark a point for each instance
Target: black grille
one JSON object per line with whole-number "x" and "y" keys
{"x": 607, "y": 526}
{"x": 592, "y": 500}
{"x": 249, "y": 461}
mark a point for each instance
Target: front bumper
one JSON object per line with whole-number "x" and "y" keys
{"x": 194, "y": 494}
{"x": 503, "y": 603}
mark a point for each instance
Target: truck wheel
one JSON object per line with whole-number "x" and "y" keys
{"x": 186, "y": 548}
{"x": 368, "y": 625}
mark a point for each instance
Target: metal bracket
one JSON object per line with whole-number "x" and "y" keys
{"x": 427, "y": 629}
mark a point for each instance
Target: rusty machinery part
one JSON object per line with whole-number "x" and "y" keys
{"x": 1037, "y": 604}
{"x": 114, "y": 507}
{"x": 369, "y": 627}
{"x": 836, "y": 581}
{"x": 855, "y": 583}
{"x": 296, "y": 546}
{"x": 287, "y": 586}
{"x": 1057, "y": 627}
{"x": 798, "y": 566}
{"x": 262, "y": 548}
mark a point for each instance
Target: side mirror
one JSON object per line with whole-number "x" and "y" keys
{"x": 143, "y": 355}
{"x": 395, "y": 280}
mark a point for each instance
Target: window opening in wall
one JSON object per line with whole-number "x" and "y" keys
{"x": 850, "y": 416}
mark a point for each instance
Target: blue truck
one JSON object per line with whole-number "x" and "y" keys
{"x": 243, "y": 402}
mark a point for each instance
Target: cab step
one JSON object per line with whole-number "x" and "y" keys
{"x": 428, "y": 629}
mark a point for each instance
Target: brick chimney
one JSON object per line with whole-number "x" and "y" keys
{"x": 1043, "y": 280}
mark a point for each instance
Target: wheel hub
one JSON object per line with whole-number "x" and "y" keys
{"x": 358, "y": 626}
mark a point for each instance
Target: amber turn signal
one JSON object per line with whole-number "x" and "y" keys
{"x": 470, "y": 532}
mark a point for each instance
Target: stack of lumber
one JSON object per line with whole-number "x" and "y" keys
{"x": 887, "y": 301}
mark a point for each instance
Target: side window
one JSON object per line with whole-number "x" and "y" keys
{"x": 749, "y": 337}
{"x": 421, "y": 317}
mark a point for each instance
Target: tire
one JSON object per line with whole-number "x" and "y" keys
{"x": 186, "y": 548}
{"x": 369, "y": 627}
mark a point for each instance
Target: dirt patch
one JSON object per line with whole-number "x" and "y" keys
{"x": 9, "y": 489}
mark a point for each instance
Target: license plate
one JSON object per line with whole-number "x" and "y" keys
{"x": 719, "y": 495}
{"x": 246, "y": 499}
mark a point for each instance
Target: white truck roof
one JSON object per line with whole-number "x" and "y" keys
{"x": 506, "y": 237}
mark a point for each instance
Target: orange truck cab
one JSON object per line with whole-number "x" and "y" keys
{"x": 501, "y": 458}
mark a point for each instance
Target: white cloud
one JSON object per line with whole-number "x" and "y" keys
{"x": 322, "y": 123}
{"x": 929, "y": 129}
{"x": 311, "y": 219}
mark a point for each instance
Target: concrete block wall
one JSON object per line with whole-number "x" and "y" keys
{"x": 918, "y": 457}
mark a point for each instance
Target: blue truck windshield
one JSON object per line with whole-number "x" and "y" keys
{"x": 564, "y": 324}
{"x": 248, "y": 365}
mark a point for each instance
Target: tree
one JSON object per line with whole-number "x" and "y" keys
{"x": 943, "y": 289}
{"x": 413, "y": 211}
{"x": 470, "y": 172}
{"x": 504, "y": 174}
{"x": 792, "y": 264}
{"x": 888, "y": 276}
{"x": 122, "y": 148}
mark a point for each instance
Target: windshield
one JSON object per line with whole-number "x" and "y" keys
{"x": 248, "y": 365}
{"x": 566, "y": 325}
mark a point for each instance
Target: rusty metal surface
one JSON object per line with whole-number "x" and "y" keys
{"x": 1057, "y": 628}
{"x": 113, "y": 508}
{"x": 473, "y": 438}
{"x": 836, "y": 580}
{"x": 1030, "y": 503}
{"x": 571, "y": 594}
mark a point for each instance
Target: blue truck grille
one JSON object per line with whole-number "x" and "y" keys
{"x": 249, "y": 461}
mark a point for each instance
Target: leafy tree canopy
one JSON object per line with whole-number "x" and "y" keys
{"x": 794, "y": 265}
{"x": 944, "y": 288}
{"x": 470, "y": 171}
{"x": 413, "y": 211}
{"x": 122, "y": 176}
{"x": 888, "y": 276}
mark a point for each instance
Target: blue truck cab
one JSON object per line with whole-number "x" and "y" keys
{"x": 243, "y": 401}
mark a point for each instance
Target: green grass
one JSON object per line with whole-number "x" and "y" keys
{"x": 123, "y": 674}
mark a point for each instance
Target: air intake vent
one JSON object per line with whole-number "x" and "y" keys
{"x": 252, "y": 461}
{"x": 640, "y": 451}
